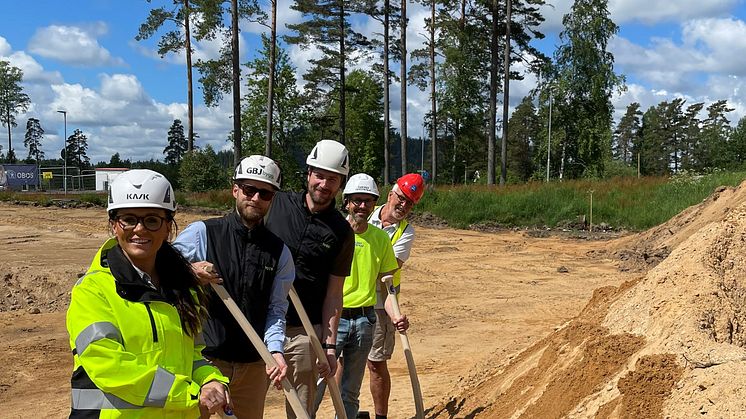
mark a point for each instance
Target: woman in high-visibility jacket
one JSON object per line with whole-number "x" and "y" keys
{"x": 134, "y": 318}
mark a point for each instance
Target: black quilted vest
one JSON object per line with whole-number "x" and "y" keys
{"x": 247, "y": 261}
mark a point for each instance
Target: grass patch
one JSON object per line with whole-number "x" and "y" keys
{"x": 219, "y": 199}
{"x": 630, "y": 203}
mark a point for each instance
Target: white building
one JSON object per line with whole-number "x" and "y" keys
{"x": 106, "y": 175}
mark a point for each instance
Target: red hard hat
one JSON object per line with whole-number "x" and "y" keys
{"x": 412, "y": 186}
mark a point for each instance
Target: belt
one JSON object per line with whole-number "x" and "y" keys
{"x": 355, "y": 312}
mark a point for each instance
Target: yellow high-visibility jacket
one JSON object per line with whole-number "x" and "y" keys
{"x": 132, "y": 357}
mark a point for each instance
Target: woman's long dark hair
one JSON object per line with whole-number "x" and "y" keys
{"x": 181, "y": 288}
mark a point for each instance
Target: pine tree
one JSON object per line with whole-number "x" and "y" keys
{"x": 327, "y": 27}
{"x": 177, "y": 144}
{"x": 287, "y": 105}
{"x": 653, "y": 145}
{"x": 522, "y": 138}
{"x": 627, "y": 133}
{"x": 365, "y": 124}
{"x": 12, "y": 100}
{"x": 174, "y": 41}
{"x": 200, "y": 171}
{"x": 76, "y": 148}
{"x": 716, "y": 130}
{"x": 34, "y": 135}
{"x": 691, "y": 133}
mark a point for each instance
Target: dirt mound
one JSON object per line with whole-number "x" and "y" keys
{"x": 671, "y": 344}
{"x": 25, "y": 288}
{"x": 643, "y": 251}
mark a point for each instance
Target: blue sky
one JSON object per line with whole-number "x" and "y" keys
{"x": 81, "y": 56}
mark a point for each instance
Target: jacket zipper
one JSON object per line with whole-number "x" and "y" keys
{"x": 152, "y": 323}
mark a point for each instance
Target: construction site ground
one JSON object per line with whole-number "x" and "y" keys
{"x": 479, "y": 305}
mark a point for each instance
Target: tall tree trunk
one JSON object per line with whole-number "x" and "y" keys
{"x": 457, "y": 122}
{"x": 433, "y": 103}
{"x": 456, "y": 132}
{"x": 190, "y": 94}
{"x": 236, "y": 85}
{"x": 7, "y": 119}
{"x": 403, "y": 128}
{"x": 493, "y": 97}
{"x": 271, "y": 81}
{"x": 562, "y": 161}
{"x": 342, "y": 122}
{"x": 386, "y": 83}
{"x": 506, "y": 100}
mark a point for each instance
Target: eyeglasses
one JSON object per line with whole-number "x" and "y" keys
{"x": 403, "y": 200}
{"x": 250, "y": 191}
{"x": 150, "y": 222}
{"x": 358, "y": 202}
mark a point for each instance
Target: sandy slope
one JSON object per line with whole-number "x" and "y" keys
{"x": 670, "y": 344}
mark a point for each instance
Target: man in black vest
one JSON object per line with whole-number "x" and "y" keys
{"x": 257, "y": 270}
{"x": 322, "y": 244}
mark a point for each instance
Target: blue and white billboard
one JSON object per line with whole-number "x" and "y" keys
{"x": 16, "y": 176}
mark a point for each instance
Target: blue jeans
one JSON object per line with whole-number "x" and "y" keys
{"x": 354, "y": 340}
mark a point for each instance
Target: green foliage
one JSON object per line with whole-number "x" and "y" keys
{"x": 177, "y": 143}
{"x": 522, "y": 135}
{"x": 219, "y": 198}
{"x": 627, "y": 134}
{"x": 32, "y": 141}
{"x": 98, "y": 199}
{"x": 671, "y": 139}
{"x": 217, "y": 73}
{"x": 326, "y": 26}
{"x": 629, "y": 203}
{"x": 287, "y": 134}
{"x": 76, "y": 147}
{"x": 12, "y": 100}
{"x": 364, "y": 122}
{"x": 585, "y": 82}
{"x": 201, "y": 171}
{"x": 618, "y": 169}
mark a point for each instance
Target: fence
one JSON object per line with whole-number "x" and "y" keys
{"x": 53, "y": 179}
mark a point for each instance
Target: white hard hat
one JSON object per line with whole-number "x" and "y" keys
{"x": 330, "y": 155}
{"x": 361, "y": 183}
{"x": 259, "y": 168}
{"x": 141, "y": 188}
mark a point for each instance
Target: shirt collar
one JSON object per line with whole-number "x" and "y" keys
{"x": 144, "y": 276}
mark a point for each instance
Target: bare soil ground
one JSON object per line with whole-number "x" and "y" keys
{"x": 476, "y": 301}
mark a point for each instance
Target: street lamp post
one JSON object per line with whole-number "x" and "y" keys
{"x": 64, "y": 152}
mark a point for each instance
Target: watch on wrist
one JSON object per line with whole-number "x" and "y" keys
{"x": 328, "y": 346}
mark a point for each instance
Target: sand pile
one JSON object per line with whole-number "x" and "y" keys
{"x": 669, "y": 344}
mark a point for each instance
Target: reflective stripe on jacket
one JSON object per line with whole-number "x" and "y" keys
{"x": 132, "y": 358}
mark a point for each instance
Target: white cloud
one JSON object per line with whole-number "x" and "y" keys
{"x": 286, "y": 15}
{"x": 648, "y": 12}
{"x": 32, "y": 71}
{"x": 708, "y": 46}
{"x": 4, "y": 46}
{"x": 654, "y": 11}
{"x": 73, "y": 45}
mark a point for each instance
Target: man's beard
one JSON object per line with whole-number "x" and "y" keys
{"x": 319, "y": 200}
{"x": 250, "y": 214}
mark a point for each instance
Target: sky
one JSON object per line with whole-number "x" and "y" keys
{"x": 81, "y": 56}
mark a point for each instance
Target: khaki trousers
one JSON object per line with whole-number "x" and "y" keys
{"x": 302, "y": 369}
{"x": 248, "y": 386}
